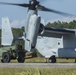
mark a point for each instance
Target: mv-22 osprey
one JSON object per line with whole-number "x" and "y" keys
{"x": 62, "y": 42}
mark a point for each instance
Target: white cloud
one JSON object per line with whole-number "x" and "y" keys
{"x": 17, "y": 23}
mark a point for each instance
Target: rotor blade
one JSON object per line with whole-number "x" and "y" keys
{"x": 42, "y": 8}
{"x": 22, "y": 5}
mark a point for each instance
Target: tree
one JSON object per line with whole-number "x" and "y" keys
{"x": 58, "y": 24}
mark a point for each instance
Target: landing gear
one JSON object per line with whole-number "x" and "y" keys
{"x": 52, "y": 59}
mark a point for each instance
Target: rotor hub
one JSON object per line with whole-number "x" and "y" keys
{"x": 33, "y": 4}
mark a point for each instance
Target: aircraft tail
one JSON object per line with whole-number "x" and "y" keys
{"x": 7, "y": 36}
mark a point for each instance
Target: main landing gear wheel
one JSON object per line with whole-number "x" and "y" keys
{"x": 52, "y": 59}
{"x": 5, "y": 57}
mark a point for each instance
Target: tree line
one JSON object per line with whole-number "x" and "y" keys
{"x": 58, "y": 24}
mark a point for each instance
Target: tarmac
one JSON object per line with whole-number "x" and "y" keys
{"x": 37, "y": 65}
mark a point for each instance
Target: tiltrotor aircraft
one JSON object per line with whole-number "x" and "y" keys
{"x": 62, "y": 42}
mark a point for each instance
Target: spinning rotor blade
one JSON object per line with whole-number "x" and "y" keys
{"x": 42, "y": 8}
{"x": 22, "y": 5}
{"x": 38, "y": 7}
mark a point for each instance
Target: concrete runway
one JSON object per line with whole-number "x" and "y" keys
{"x": 37, "y": 65}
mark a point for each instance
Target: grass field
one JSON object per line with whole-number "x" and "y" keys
{"x": 43, "y": 60}
{"x": 36, "y": 71}
{"x": 39, "y": 71}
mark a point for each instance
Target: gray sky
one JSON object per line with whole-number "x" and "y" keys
{"x": 17, "y": 14}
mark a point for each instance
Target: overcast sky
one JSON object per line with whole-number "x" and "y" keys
{"x": 18, "y": 14}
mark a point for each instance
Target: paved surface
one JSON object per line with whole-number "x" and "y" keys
{"x": 37, "y": 65}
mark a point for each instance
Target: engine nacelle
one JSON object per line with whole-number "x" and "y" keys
{"x": 32, "y": 32}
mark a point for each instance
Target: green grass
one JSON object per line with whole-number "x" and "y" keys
{"x": 36, "y": 71}
{"x": 38, "y": 60}
{"x": 43, "y": 60}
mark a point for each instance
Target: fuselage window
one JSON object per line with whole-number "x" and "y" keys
{"x": 58, "y": 43}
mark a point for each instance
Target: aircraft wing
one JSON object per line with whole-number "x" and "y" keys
{"x": 56, "y": 32}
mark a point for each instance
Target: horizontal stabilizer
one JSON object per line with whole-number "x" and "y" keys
{"x": 7, "y": 36}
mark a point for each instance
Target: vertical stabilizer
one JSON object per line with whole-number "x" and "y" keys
{"x": 7, "y": 36}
